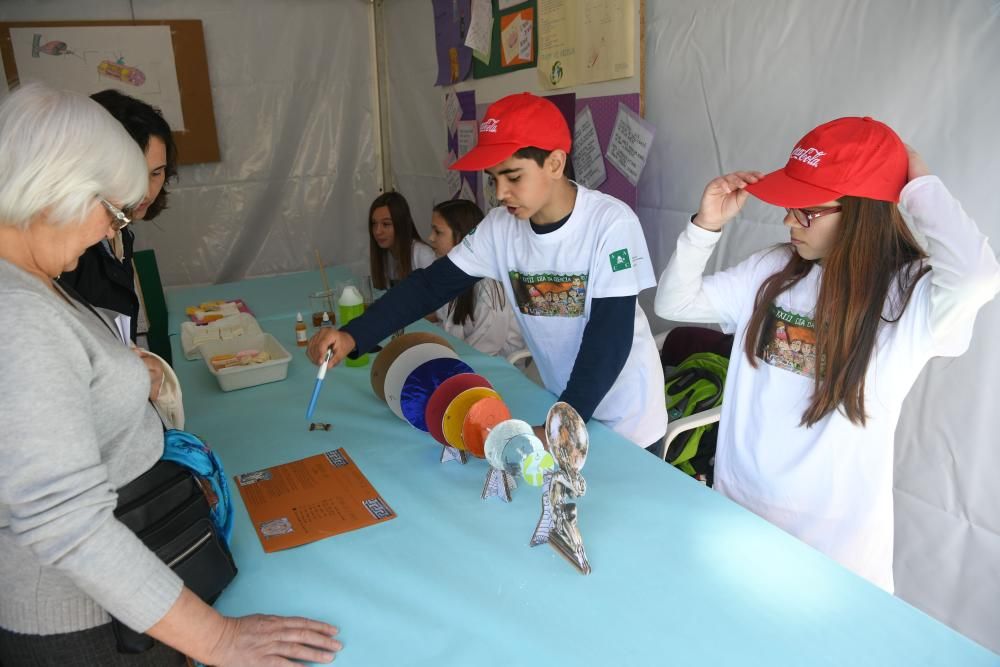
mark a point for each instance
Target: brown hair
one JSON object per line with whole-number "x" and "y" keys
{"x": 462, "y": 216}
{"x": 873, "y": 249}
{"x": 540, "y": 155}
{"x": 405, "y": 235}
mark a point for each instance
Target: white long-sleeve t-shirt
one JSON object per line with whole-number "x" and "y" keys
{"x": 830, "y": 484}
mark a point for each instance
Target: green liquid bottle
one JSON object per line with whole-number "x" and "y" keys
{"x": 349, "y": 306}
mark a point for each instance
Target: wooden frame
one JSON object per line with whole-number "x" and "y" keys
{"x": 197, "y": 143}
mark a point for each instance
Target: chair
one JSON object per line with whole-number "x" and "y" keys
{"x": 678, "y": 426}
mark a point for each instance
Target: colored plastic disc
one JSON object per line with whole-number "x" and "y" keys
{"x": 454, "y": 415}
{"x": 442, "y": 398}
{"x": 405, "y": 364}
{"x": 480, "y": 420}
{"x": 390, "y": 353}
{"x": 500, "y": 435}
{"x": 421, "y": 383}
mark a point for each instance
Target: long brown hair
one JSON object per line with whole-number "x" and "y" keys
{"x": 462, "y": 216}
{"x": 873, "y": 248}
{"x": 405, "y": 235}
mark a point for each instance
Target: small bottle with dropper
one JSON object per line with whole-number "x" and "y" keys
{"x": 301, "y": 339}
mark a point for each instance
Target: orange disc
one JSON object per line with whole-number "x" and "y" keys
{"x": 481, "y": 418}
{"x": 389, "y": 354}
{"x": 454, "y": 415}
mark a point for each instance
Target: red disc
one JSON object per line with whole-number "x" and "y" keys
{"x": 442, "y": 397}
{"x": 480, "y": 420}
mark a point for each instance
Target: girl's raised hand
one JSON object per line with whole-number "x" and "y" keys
{"x": 723, "y": 198}
{"x": 917, "y": 166}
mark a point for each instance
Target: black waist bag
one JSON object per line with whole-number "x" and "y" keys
{"x": 167, "y": 509}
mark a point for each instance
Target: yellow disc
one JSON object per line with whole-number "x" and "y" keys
{"x": 454, "y": 415}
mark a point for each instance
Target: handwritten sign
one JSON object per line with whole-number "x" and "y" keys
{"x": 630, "y": 142}
{"x": 588, "y": 162}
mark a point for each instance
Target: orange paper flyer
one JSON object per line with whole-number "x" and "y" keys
{"x": 306, "y": 500}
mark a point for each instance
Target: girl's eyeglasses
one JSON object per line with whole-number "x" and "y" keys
{"x": 119, "y": 218}
{"x": 805, "y": 218}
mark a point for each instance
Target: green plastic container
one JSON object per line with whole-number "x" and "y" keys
{"x": 349, "y": 306}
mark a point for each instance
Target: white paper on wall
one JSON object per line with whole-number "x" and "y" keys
{"x": 588, "y": 160}
{"x": 468, "y": 135}
{"x": 630, "y": 142}
{"x": 135, "y": 60}
{"x": 452, "y": 110}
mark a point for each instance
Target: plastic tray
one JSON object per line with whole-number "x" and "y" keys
{"x": 189, "y": 329}
{"x": 241, "y": 377}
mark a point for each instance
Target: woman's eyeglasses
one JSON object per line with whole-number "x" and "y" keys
{"x": 805, "y": 218}
{"x": 119, "y": 217}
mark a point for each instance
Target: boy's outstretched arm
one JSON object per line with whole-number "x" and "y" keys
{"x": 422, "y": 292}
{"x": 606, "y": 344}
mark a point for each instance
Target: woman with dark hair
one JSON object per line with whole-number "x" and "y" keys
{"x": 833, "y": 328}
{"x": 481, "y": 316}
{"x": 395, "y": 246}
{"x": 105, "y": 276}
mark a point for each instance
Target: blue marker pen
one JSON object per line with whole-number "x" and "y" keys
{"x": 319, "y": 383}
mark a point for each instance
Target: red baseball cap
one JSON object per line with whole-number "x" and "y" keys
{"x": 512, "y": 123}
{"x": 853, "y": 156}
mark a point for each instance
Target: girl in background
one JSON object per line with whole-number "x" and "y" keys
{"x": 482, "y": 316}
{"x": 395, "y": 246}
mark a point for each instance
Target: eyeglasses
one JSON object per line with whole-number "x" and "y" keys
{"x": 119, "y": 217}
{"x": 805, "y": 219}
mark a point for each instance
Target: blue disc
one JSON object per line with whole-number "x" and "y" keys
{"x": 422, "y": 382}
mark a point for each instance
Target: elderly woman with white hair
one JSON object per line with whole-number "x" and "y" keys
{"x": 77, "y": 424}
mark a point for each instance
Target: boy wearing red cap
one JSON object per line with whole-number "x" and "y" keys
{"x": 572, "y": 260}
{"x": 809, "y": 445}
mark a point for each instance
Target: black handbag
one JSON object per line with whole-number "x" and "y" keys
{"x": 167, "y": 509}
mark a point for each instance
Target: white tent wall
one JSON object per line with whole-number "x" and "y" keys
{"x": 293, "y": 90}
{"x": 732, "y": 85}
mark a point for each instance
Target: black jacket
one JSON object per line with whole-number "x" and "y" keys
{"x": 105, "y": 282}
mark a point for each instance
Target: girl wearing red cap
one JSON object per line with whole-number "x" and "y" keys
{"x": 809, "y": 446}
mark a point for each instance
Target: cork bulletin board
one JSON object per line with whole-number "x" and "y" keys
{"x": 196, "y": 137}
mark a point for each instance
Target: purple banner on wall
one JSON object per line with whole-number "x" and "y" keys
{"x": 566, "y": 103}
{"x": 454, "y": 58}
{"x": 605, "y": 110}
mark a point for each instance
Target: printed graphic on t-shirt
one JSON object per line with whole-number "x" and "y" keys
{"x": 620, "y": 260}
{"x": 550, "y": 294}
{"x": 789, "y": 342}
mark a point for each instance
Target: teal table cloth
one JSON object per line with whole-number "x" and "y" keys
{"x": 681, "y": 575}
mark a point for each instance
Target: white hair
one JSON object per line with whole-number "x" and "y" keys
{"x": 59, "y": 151}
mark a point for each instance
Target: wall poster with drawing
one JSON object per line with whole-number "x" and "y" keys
{"x": 136, "y": 60}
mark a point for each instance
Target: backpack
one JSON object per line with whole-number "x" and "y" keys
{"x": 693, "y": 386}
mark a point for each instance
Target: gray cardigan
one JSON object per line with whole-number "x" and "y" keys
{"x": 76, "y": 426}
